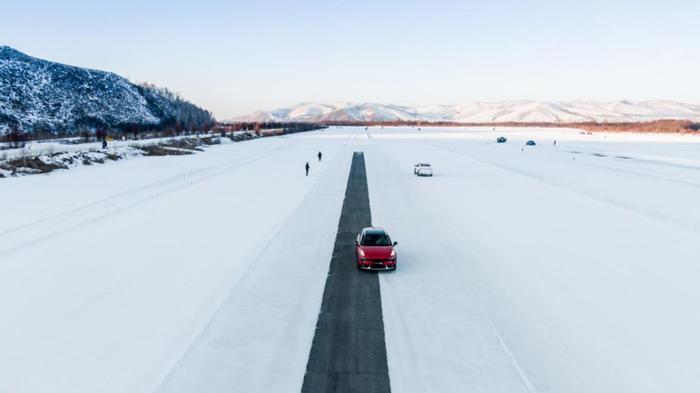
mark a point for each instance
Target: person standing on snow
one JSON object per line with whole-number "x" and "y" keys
{"x": 307, "y": 168}
{"x": 319, "y": 156}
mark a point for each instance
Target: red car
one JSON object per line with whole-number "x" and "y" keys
{"x": 375, "y": 250}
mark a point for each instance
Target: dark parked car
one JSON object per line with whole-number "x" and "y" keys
{"x": 423, "y": 169}
{"x": 501, "y": 139}
{"x": 530, "y": 143}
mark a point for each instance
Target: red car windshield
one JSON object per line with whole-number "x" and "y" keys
{"x": 376, "y": 239}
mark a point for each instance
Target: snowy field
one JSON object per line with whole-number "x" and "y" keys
{"x": 567, "y": 268}
{"x": 34, "y": 149}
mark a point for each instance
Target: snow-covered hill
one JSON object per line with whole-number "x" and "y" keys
{"x": 38, "y": 94}
{"x": 480, "y": 112}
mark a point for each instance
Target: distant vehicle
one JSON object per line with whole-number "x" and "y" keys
{"x": 501, "y": 139}
{"x": 375, "y": 250}
{"x": 530, "y": 143}
{"x": 423, "y": 169}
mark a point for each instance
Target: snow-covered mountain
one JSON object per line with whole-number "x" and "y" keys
{"x": 523, "y": 111}
{"x": 38, "y": 94}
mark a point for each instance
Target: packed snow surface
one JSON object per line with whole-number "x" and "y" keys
{"x": 550, "y": 268}
{"x": 522, "y": 111}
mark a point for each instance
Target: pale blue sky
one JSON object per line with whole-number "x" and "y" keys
{"x": 235, "y": 57}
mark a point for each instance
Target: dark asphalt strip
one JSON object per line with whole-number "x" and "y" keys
{"x": 348, "y": 353}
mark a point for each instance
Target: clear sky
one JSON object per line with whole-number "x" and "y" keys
{"x": 234, "y": 57}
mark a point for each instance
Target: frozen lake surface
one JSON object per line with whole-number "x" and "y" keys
{"x": 550, "y": 268}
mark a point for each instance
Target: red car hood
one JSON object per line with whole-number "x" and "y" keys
{"x": 377, "y": 252}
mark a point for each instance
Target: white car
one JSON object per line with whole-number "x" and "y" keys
{"x": 423, "y": 169}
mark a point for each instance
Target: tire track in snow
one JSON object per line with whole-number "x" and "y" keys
{"x": 453, "y": 270}
{"x": 618, "y": 157}
{"x": 124, "y": 194}
{"x": 171, "y": 380}
{"x": 27, "y": 235}
{"x": 649, "y": 213}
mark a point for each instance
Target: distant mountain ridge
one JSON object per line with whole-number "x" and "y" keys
{"x": 521, "y": 111}
{"x": 40, "y": 95}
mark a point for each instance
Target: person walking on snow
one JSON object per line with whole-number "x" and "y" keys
{"x": 319, "y": 156}
{"x": 307, "y": 168}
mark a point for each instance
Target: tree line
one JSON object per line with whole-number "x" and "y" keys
{"x": 663, "y": 126}
{"x": 288, "y": 127}
{"x": 175, "y": 116}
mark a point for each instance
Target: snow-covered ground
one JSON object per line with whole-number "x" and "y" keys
{"x": 108, "y": 274}
{"x": 34, "y": 149}
{"x": 567, "y": 268}
{"x": 578, "y": 263}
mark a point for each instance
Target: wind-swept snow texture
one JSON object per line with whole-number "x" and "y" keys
{"x": 567, "y": 268}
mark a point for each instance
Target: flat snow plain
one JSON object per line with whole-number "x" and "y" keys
{"x": 567, "y": 268}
